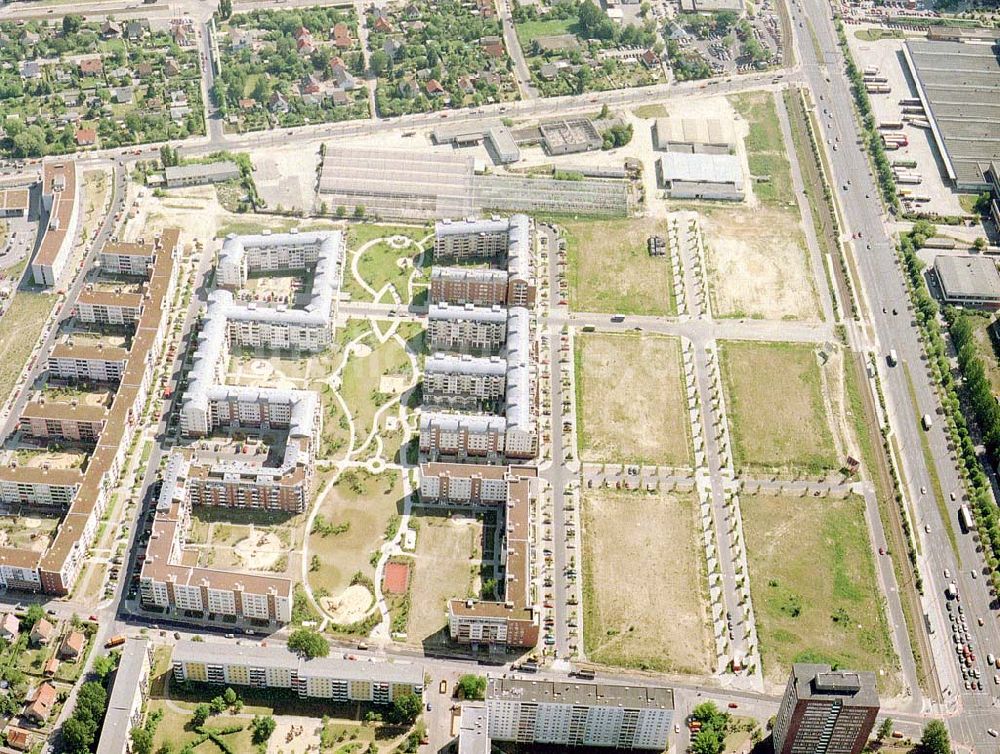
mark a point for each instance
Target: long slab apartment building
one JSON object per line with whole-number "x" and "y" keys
{"x": 579, "y": 714}
{"x": 209, "y": 406}
{"x": 60, "y": 201}
{"x": 472, "y": 312}
{"x": 514, "y": 620}
{"x": 84, "y": 494}
{"x": 337, "y": 679}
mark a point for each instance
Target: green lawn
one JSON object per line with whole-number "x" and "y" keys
{"x": 383, "y": 264}
{"x": 20, "y": 329}
{"x": 766, "y": 152}
{"x": 816, "y": 600}
{"x": 361, "y": 381}
{"x": 358, "y": 234}
{"x": 611, "y": 271}
{"x": 529, "y": 31}
{"x": 775, "y": 407}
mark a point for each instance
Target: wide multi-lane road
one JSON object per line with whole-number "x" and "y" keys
{"x": 910, "y": 390}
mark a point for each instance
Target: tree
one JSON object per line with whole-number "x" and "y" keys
{"x": 707, "y": 741}
{"x": 225, "y": 9}
{"x": 201, "y": 713}
{"x": 31, "y": 617}
{"x": 378, "y": 61}
{"x": 359, "y": 211}
{"x": 405, "y": 709}
{"x": 884, "y": 730}
{"x": 142, "y": 741}
{"x": 341, "y": 210}
{"x": 229, "y": 696}
{"x": 262, "y": 728}
{"x": 103, "y": 666}
{"x": 71, "y": 23}
{"x": 471, "y": 686}
{"x": 979, "y": 244}
{"x": 935, "y": 738}
{"x": 308, "y": 643}
{"x": 77, "y": 735}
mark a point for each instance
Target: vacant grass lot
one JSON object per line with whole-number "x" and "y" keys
{"x": 20, "y": 329}
{"x": 982, "y": 326}
{"x": 766, "y": 151}
{"x": 775, "y": 406}
{"x": 364, "y": 503}
{"x": 652, "y": 616}
{"x": 631, "y": 404}
{"x": 611, "y": 271}
{"x": 816, "y": 600}
{"x": 446, "y": 566}
{"x": 529, "y": 31}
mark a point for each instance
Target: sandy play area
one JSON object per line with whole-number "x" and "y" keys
{"x": 350, "y": 606}
{"x": 260, "y": 551}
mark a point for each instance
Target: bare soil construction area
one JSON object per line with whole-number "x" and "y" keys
{"x": 656, "y": 620}
{"x": 631, "y": 400}
{"x": 757, "y": 264}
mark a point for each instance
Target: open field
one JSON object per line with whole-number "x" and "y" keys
{"x": 631, "y": 404}
{"x": 20, "y": 329}
{"x": 766, "y": 152}
{"x": 365, "y": 505}
{"x": 757, "y": 264}
{"x": 658, "y": 621}
{"x": 774, "y": 402}
{"x": 446, "y": 566}
{"x": 610, "y": 269}
{"x": 816, "y": 600}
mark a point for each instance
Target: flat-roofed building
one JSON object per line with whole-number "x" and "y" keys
{"x": 468, "y": 285}
{"x": 200, "y": 173}
{"x": 38, "y": 485}
{"x": 968, "y": 280}
{"x": 466, "y": 328}
{"x": 579, "y": 714}
{"x": 66, "y": 421}
{"x": 473, "y": 730}
{"x": 464, "y": 382}
{"x": 126, "y": 258}
{"x": 108, "y": 307}
{"x": 338, "y": 679}
{"x": 461, "y": 436}
{"x": 694, "y": 135}
{"x": 70, "y": 361}
{"x": 701, "y": 176}
{"x": 825, "y": 711}
{"x": 129, "y": 691}
{"x": 60, "y": 200}
{"x": 14, "y": 203}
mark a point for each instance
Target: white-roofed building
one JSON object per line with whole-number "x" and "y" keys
{"x": 701, "y": 176}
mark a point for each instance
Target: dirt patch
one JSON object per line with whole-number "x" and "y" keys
{"x": 632, "y": 401}
{"x": 396, "y": 578}
{"x": 350, "y": 606}
{"x": 260, "y": 551}
{"x": 758, "y": 264}
{"x": 393, "y": 384}
{"x": 659, "y": 621}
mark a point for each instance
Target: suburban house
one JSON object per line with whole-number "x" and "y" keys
{"x": 10, "y": 627}
{"x": 40, "y": 702}
{"x": 342, "y": 36}
{"x": 72, "y": 645}
{"x": 41, "y": 633}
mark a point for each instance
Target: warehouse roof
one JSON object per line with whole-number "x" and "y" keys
{"x": 702, "y": 168}
{"x": 211, "y": 170}
{"x": 968, "y": 277}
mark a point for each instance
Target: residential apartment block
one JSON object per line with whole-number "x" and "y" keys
{"x": 108, "y": 308}
{"x": 129, "y": 691}
{"x": 466, "y": 328}
{"x": 514, "y": 620}
{"x": 55, "y": 570}
{"x": 579, "y": 714}
{"x": 60, "y": 200}
{"x": 476, "y": 286}
{"x": 463, "y": 382}
{"x": 825, "y": 711}
{"x": 277, "y": 252}
{"x": 133, "y": 259}
{"x": 74, "y": 362}
{"x": 275, "y": 667}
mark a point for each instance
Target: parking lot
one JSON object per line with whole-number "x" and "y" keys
{"x": 887, "y": 56}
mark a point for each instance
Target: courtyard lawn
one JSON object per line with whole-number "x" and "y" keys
{"x": 774, "y": 403}
{"x": 365, "y": 504}
{"x": 611, "y": 271}
{"x": 384, "y": 264}
{"x": 367, "y": 379}
{"x": 631, "y": 402}
{"x": 812, "y": 576}
{"x": 657, "y": 619}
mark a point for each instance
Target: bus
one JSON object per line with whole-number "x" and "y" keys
{"x": 965, "y": 519}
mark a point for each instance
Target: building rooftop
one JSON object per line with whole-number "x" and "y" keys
{"x": 586, "y": 694}
{"x": 851, "y": 688}
{"x": 128, "y": 678}
{"x": 58, "y": 181}
{"x": 968, "y": 276}
{"x": 14, "y": 199}
{"x": 694, "y": 131}
{"x": 222, "y": 169}
{"x": 467, "y": 313}
{"x": 473, "y": 731}
{"x": 441, "y": 363}
{"x": 702, "y": 168}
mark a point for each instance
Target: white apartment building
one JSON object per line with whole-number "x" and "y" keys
{"x": 92, "y": 363}
{"x": 466, "y": 328}
{"x": 332, "y": 678}
{"x": 456, "y": 240}
{"x": 463, "y": 382}
{"x": 579, "y": 714}
{"x": 277, "y": 252}
{"x": 132, "y": 259}
{"x": 60, "y": 198}
{"x": 128, "y": 696}
{"x": 32, "y": 485}
{"x": 106, "y": 308}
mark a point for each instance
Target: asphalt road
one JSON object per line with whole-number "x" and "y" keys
{"x": 883, "y": 283}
